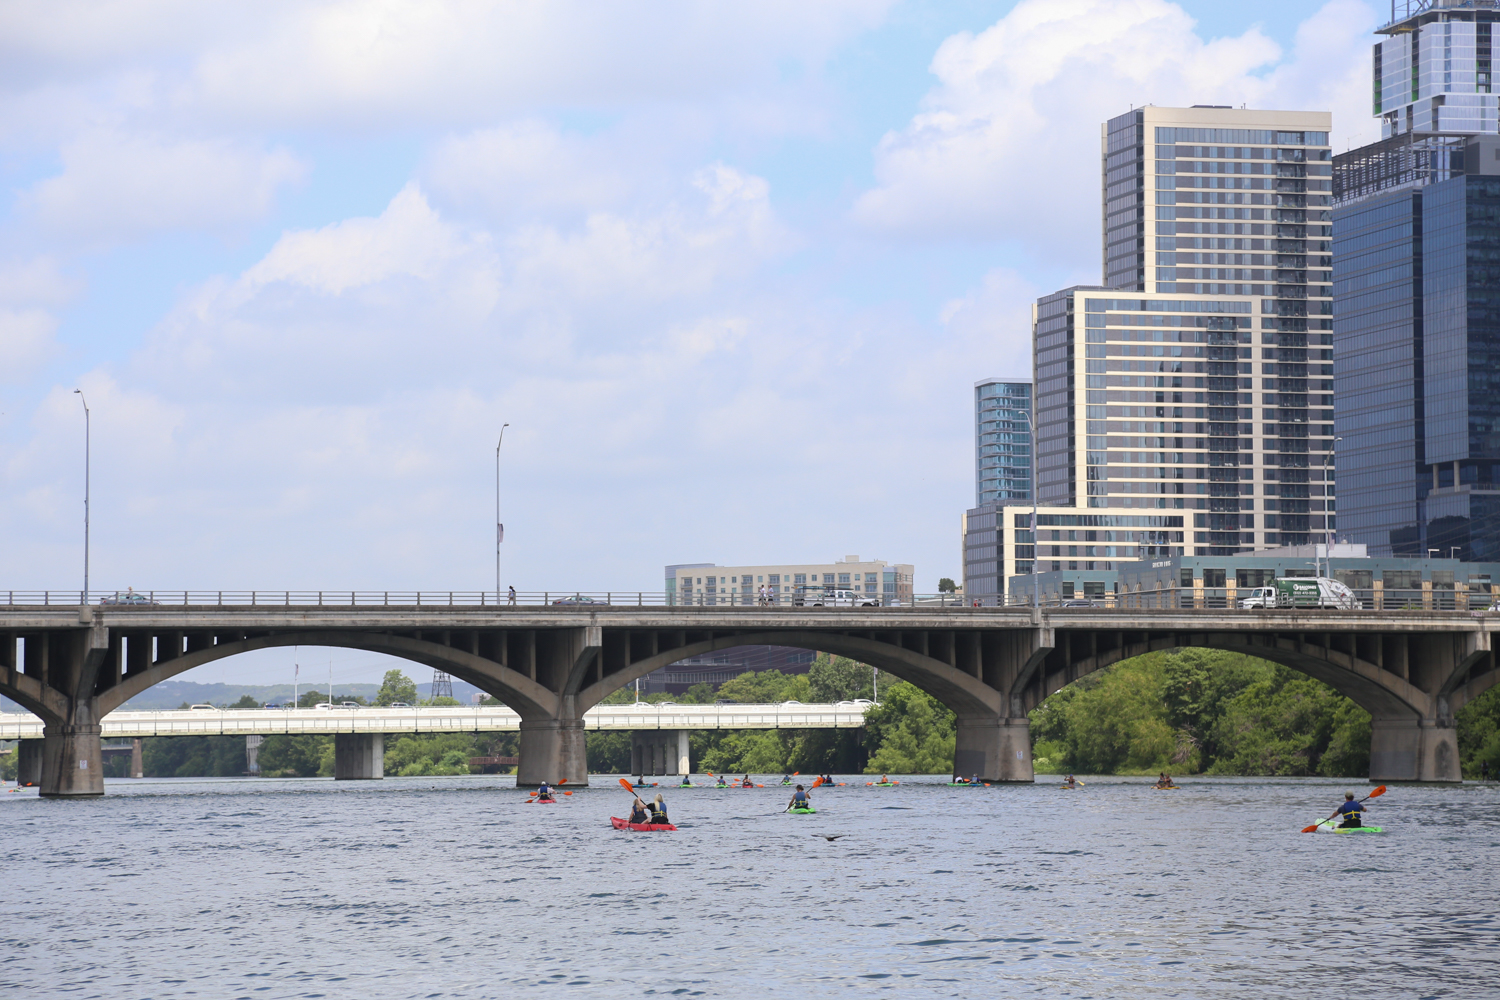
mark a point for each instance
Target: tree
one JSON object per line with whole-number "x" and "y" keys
{"x": 1479, "y": 734}
{"x": 246, "y": 701}
{"x": 835, "y": 678}
{"x": 912, "y": 733}
{"x": 768, "y": 687}
{"x": 947, "y": 586}
{"x": 396, "y": 687}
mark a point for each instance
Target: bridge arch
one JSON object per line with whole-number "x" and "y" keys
{"x": 968, "y": 696}
{"x": 529, "y": 698}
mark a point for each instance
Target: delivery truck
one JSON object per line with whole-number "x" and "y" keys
{"x": 1302, "y": 592}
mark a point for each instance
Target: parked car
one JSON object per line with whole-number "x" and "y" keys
{"x": 129, "y": 597}
{"x": 821, "y": 598}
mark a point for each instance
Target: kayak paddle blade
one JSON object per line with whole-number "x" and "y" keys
{"x": 627, "y": 786}
{"x": 1376, "y": 792}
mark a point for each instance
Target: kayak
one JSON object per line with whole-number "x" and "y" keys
{"x": 541, "y": 802}
{"x": 1165, "y": 788}
{"x": 1069, "y": 788}
{"x": 966, "y": 784}
{"x": 803, "y": 812}
{"x": 1329, "y": 828}
{"x": 621, "y": 824}
{"x": 883, "y": 784}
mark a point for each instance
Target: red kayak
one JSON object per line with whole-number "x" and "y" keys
{"x": 621, "y": 824}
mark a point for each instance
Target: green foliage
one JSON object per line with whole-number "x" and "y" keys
{"x": 699, "y": 694}
{"x": 835, "y": 678}
{"x": 1191, "y": 710}
{"x": 396, "y": 687}
{"x": 911, "y": 731}
{"x": 442, "y": 701}
{"x": 308, "y": 699}
{"x": 768, "y": 687}
{"x": 947, "y": 586}
{"x": 10, "y": 761}
{"x": 438, "y": 753}
{"x": 608, "y": 751}
{"x": 246, "y": 701}
{"x": 294, "y": 756}
{"x": 193, "y": 756}
{"x": 1479, "y": 734}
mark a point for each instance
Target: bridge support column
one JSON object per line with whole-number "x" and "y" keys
{"x": 137, "y": 765}
{"x": 659, "y": 751}
{"x": 1413, "y": 750}
{"x": 995, "y": 749}
{"x": 72, "y": 761}
{"x": 29, "y": 763}
{"x": 358, "y": 756}
{"x": 552, "y": 750}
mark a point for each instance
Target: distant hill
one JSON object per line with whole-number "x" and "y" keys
{"x": 170, "y": 694}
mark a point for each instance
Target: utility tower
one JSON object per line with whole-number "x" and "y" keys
{"x": 442, "y": 685}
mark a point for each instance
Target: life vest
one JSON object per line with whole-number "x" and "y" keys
{"x": 658, "y": 815}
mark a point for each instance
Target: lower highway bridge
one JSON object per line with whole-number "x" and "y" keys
{"x": 72, "y": 666}
{"x": 658, "y": 732}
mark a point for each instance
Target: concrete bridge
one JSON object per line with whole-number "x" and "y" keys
{"x": 1410, "y": 669}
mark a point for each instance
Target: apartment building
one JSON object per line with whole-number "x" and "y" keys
{"x": 709, "y": 584}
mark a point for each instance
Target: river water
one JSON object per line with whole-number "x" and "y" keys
{"x": 452, "y": 887}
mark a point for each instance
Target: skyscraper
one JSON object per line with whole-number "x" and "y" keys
{"x": 1433, "y": 70}
{"x": 1002, "y": 442}
{"x": 1417, "y": 331}
{"x": 1166, "y": 410}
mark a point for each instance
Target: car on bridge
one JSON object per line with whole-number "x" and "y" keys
{"x": 819, "y": 598}
{"x": 129, "y": 597}
{"x": 579, "y": 599}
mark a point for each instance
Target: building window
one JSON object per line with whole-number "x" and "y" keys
{"x": 799, "y": 578}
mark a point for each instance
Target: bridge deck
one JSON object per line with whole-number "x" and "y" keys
{"x": 309, "y": 721}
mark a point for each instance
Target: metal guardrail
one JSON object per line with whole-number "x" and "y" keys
{"x": 324, "y": 722}
{"x": 123, "y": 600}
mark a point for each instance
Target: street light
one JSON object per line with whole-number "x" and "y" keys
{"x": 499, "y": 528}
{"x": 87, "y": 448}
{"x": 1036, "y": 548}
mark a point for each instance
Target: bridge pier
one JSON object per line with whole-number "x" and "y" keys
{"x": 659, "y": 751}
{"x": 29, "y": 763}
{"x": 72, "y": 761}
{"x": 995, "y": 749}
{"x": 358, "y": 756}
{"x": 1413, "y": 750}
{"x": 552, "y": 750}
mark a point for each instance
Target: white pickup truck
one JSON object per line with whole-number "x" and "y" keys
{"x": 818, "y": 597}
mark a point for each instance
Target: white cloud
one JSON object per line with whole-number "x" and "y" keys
{"x": 120, "y": 186}
{"x": 25, "y": 341}
{"x": 1008, "y": 145}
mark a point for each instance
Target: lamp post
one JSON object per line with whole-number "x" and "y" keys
{"x": 1036, "y": 548}
{"x": 499, "y": 528}
{"x": 87, "y": 449}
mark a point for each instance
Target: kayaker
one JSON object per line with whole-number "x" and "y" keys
{"x": 799, "y": 800}
{"x": 659, "y": 810}
{"x": 827, "y": 779}
{"x": 885, "y": 779}
{"x": 638, "y": 813}
{"x": 786, "y": 779}
{"x": 745, "y": 782}
{"x": 544, "y": 793}
{"x": 685, "y": 782}
{"x": 1351, "y": 809}
{"x": 976, "y": 780}
{"x": 1070, "y": 782}
{"x": 722, "y": 783}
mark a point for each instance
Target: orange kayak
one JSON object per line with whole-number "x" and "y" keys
{"x": 621, "y": 824}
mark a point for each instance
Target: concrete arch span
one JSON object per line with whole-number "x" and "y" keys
{"x": 1402, "y": 684}
{"x": 520, "y": 692}
{"x": 967, "y": 695}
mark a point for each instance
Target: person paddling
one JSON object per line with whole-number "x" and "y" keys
{"x": 544, "y": 793}
{"x": 638, "y": 813}
{"x": 722, "y": 783}
{"x": 685, "y": 782}
{"x": 745, "y": 782}
{"x": 799, "y": 800}
{"x": 1352, "y": 810}
{"x": 1070, "y": 782}
{"x": 786, "y": 779}
{"x": 658, "y": 807}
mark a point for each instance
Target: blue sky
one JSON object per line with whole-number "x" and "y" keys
{"x": 729, "y": 271}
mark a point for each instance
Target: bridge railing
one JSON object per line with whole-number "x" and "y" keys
{"x": 1442, "y": 598}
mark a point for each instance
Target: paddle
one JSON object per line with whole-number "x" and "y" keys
{"x": 1312, "y": 829}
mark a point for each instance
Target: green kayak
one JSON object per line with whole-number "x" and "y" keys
{"x": 965, "y": 784}
{"x": 1327, "y": 827}
{"x": 804, "y": 812}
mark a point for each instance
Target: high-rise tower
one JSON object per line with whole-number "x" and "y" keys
{"x": 1432, "y": 71}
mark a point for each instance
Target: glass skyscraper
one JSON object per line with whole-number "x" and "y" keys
{"x": 1417, "y": 331}
{"x": 1002, "y": 442}
{"x": 1433, "y": 71}
{"x": 1199, "y": 377}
